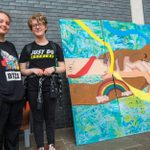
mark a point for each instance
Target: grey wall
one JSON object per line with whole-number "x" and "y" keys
{"x": 20, "y": 10}
{"x": 146, "y": 8}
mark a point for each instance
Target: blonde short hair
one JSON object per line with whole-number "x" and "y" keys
{"x": 39, "y": 17}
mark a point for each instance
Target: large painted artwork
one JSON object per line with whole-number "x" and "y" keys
{"x": 108, "y": 68}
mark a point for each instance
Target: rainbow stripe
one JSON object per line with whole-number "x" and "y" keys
{"x": 107, "y": 86}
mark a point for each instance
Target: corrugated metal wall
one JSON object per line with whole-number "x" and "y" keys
{"x": 146, "y": 8}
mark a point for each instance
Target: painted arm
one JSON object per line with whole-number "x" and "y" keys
{"x": 135, "y": 73}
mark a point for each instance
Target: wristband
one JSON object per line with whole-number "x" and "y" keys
{"x": 54, "y": 69}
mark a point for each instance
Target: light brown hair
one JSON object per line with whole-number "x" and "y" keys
{"x": 7, "y": 14}
{"x": 39, "y": 17}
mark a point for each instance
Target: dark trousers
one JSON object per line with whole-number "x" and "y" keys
{"x": 47, "y": 114}
{"x": 10, "y": 122}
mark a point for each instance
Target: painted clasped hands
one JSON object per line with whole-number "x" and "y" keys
{"x": 41, "y": 72}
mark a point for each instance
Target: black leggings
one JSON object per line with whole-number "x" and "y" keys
{"x": 10, "y": 122}
{"x": 47, "y": 114}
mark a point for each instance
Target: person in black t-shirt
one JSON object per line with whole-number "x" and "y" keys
{"x": 38, "y": 63}
{"x": 11, "y": 89}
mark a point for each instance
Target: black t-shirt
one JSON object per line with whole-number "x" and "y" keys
{"x": 41, "y": 57}
{"x": 11, "y": 87}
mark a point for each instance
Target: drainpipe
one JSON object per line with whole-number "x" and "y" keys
{"x": 137, "y": 11}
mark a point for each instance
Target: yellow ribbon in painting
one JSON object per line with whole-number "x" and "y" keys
{"x": 94, "y": 36}
{"x": 138, "y": 93}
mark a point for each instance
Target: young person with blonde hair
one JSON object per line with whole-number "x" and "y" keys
{"x": 39, "y": 65}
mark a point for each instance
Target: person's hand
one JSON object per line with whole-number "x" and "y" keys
{"x": 37, "y": 71}
{"x": 49, "y": 71}
{"x": 119, "y": 55}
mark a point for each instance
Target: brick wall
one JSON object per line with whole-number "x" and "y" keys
{"x": 19, "y": 34}
{"x": 146, "y": 8}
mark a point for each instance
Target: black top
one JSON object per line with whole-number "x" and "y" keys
{"x": 11, "y": 87}
{"x": 40, "y": 57}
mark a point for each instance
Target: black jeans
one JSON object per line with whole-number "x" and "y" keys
{"x": 10, "y": 122}
{"x": 47, "y": 114}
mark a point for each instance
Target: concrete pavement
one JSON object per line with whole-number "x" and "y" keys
{"x": 65, "y": 140}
